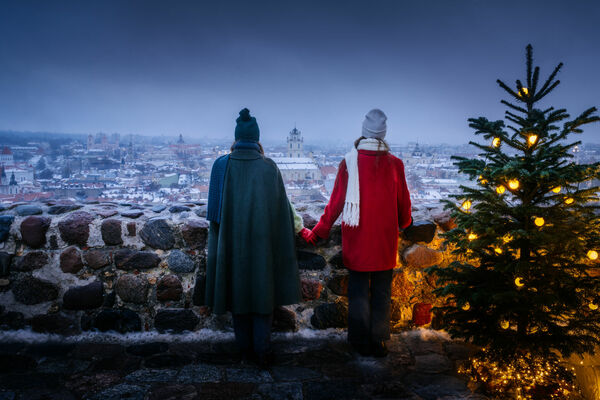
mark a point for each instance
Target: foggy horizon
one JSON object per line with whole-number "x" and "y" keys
{"x": 158, "y": 69}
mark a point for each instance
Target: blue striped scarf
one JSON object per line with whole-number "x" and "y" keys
{"x": 217, "y": 181}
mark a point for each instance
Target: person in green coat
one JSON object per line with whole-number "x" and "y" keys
{"x": 251, "y": 264}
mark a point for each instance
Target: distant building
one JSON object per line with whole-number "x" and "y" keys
{"x": 295, "y": 167}
{"x": 7, "y": 156}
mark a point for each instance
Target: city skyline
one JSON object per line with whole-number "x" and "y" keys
{"x": 154, "y": 69}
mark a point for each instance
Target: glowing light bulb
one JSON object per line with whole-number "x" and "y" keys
{"x": 472, "y": 236}
{"x": 519, "y": 282}
{"x": 524, "y": 92}
{"x": 498, "y": 250}
{"x": 592, "y": 255}
{"x": 504, "y": 324}
{"x": 482, "y": 180}
{"x": 500, "y": 189}
{"x": 507, "y": 238}
{"x": 513, "y": 184}
{"x": 466, "y": 205}
{"x": 466, "y": 306}
{"x": 496, "y": 142}
{"x": 556, "y": 189}
{"x": 569, "y": 200}
{"x": 593, "y": 306}
{"x": 539, "y": 221}
{"x": 532, "y": 139}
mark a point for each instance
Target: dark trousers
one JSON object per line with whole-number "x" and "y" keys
{"x": 369, "y": 298}
{"x": 253, "y": 332}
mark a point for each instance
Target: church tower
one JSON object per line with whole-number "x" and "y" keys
{"x": 295, "y": 144}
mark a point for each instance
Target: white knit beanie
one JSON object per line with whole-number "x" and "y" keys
{"x": 374, "y": 125}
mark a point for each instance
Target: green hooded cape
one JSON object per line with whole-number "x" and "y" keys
{"x": 251, "y": 265}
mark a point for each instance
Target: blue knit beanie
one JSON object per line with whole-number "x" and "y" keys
{"x": 246, "y": 128}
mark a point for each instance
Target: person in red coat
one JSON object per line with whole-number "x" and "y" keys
{"x": 370, "y": 192}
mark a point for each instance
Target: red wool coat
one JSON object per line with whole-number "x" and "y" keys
{"x": 384, "y": 210}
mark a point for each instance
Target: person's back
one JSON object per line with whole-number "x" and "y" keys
{"x": 251, "y": 264}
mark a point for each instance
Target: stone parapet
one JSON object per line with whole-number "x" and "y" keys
{"x": 67, "y": 268}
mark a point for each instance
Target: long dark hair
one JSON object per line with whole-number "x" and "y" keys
{"x": 262, "y": 151}
{"x": 381, "y": 146}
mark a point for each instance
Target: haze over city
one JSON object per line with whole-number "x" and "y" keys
{"x": 155, "y": 68}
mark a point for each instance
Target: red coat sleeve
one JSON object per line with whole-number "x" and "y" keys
{"x": 336, "y": 203}
{"x": 404, "y": 206}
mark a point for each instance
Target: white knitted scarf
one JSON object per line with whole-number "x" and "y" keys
{"x": 351, "y": 213}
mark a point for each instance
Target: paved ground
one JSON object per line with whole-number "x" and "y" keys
{"x": 420, "y": 365}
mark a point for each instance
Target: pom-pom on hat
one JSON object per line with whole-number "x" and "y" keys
{"x": 246, "y": 128}
{"x": 374, "y": 125}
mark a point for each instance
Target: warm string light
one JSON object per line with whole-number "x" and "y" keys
{"x": 513, "y": 184}
{"x": 532, "y": 139}
{"x": 523, "y": 376}
{"x": 539, "y": 221}
{"x": 592, "y": 255}
{"x": 496, "y": 142}
{"x": 498, "y": 250}
{"x": 472, "y": 236}
{"x": 556, "y": 189}
{"x": 466, "y": 306}
{"x": 466, "y": 205}
{"x": 507, "y": 238}
{"x": 593, "y": 306}
{"x": 569, "y": 200}
{"x": 500, "y": 189}
{"x": 523, "y": 92}
{"x": 504, "y": 324}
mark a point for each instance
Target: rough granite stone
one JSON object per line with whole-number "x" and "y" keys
{"x": 132, "y": 214}
{"x": 33, "y": 231}
{"x": 199, "y": 290}
{"x": 63, "y": 208}
{"x": 12, "y": 320}
{"x": 85, "y": 297}
{"x": 418, "y": 256}
{"x": 284, "y": 320}
{"x": 178, "y": 208}
{"x": 70, "y": 260}
{"x": 337, "y": 260}
{"x": 128, "y": 259}
{"x": 28, "y": 209}
{"x": 420, "y": 231}
{"x": 338, "y": 284}
{"x": 311, "y": 289}
{"x": 131, "y": 229}
{"x": 75, "y": 229}
{"x": 5, "y": 260}
{"x": 158, "y": 233}
{"x": 54, "y": 323}
{"x": 445, "y": 221}
{"x": 330, "y": 315}
{"x": 106, "y": 213}
{"x": 180, "y": 262}
{"x": 309, "y": 260}
{"x": 31, "y": 261}
{"x": 5, "y": 223}
{"x": 159, "y": 208}
{"x": 30, "y": 290}
{"x": 111, "y": 232}
{"x": 132, "y": 288}
{"x": 175, "y": 320}
{"x": 97, "y": 259}
{"x": 195, "y": 233}
{"x": 169, "y": 288}
{"x": 122, "y": 320}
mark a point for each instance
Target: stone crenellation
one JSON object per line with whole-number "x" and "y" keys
{"x": 67, "y": 268}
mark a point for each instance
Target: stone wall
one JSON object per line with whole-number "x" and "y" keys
{"x": 67, "y": 268}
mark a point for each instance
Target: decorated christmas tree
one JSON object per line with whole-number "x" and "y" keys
{"x": 525, "y": 285}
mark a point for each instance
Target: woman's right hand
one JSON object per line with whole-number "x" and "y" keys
{"x": 309, "y": 236}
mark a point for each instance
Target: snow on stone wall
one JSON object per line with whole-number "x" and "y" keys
{"x": 68, "y": 268}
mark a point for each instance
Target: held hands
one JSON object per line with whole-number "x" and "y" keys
{"x": 309, "y": 236}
